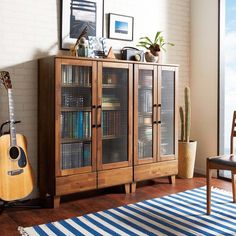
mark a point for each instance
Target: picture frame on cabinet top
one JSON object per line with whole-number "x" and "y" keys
{"x": 78, "y": 14}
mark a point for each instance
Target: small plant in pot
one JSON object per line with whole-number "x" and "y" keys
{"x": 187, "y": 147}
{"x": 154, "y": 46}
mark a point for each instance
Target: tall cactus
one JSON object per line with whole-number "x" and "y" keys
{"x": 187, "y": 113}
{"x": 181, "y": 113}
{"x": 185, "y": 117}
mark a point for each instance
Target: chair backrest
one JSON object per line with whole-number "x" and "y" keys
{"x": 233, "y": 133}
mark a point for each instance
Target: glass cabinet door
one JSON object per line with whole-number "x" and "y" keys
{"x": 113, "y": 112}
{"x": 76, "y": 118}
{"x": 145, "y": 114}
{"x": 168, "y": 112}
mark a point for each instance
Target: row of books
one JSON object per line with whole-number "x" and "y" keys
{"x": 146, "y": 78}
{"x": 76, "y": 75}
{"x": 73, "y": 100}
{"x": 76, "y": 124}
{"x": 144, "y": 149}
{"x": 145, "y": 133}
{"x": 111, "y": 123}
{"x": 75, "y": 155}
{"x": 110, "y": 100}
{"x": 145, "y": 101}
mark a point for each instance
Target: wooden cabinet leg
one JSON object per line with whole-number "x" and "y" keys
{"x": 171, "y": 179}
{"x": 56, "y": 201}
{"x": 133, "y": 187}
{"x": 127, "y": 188}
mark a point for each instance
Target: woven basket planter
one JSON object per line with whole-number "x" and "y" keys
{"x": 186, "y": 159}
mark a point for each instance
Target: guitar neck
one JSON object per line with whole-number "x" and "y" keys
{"x": 12, "y": 118}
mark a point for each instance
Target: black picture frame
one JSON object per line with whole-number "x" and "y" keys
{"x": 120, "y": 27}
{"x": 76, "y": 15}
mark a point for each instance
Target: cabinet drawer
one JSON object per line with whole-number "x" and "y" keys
{"x": 154, "y": 170}
{"x": 114, "y": 177}
{"x": 75, "y": 183}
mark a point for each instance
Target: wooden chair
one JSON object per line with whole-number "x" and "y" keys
{"x": 222, "y": 163}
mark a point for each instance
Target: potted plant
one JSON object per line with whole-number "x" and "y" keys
{"x": 187, "y": 147}
{"x": 154, "y": 46}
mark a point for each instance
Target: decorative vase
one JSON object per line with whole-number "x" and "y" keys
{"x": 149, "y": 57}
{"x": 186, "y": 159}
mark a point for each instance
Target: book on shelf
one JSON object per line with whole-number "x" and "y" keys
{"x": 76, "y": 124}
{"x": 80, "y": 75}
{"x": 110, "y": 104}
{"x": 110, "y": 100}
{"x": 111, "y": 123}
{"x": 146, "y": 78}
{"x": 144, "y": 149}
{"x": 145, "y": 101}
{"x": 75, "y": 155}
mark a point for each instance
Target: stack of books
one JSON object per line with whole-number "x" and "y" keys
{"x": 110, "y": 101}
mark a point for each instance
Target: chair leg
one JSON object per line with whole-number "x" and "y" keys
{"x": 234, "y": 185}
{"x": 209, "y": 175}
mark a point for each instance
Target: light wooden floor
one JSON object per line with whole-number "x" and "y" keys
{"x": 89, "y": 202}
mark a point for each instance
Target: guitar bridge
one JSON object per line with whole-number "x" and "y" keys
{"x": 15, "y": 172}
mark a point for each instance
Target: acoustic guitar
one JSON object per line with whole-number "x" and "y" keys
{"x": 16, "y": 179}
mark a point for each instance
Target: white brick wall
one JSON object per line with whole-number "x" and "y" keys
{"x": 30, "y": 30}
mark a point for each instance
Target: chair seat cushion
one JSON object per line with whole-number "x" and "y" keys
{"x": 229, "y": 160}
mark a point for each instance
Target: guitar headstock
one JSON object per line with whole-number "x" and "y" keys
{"x": 5, "y": 77}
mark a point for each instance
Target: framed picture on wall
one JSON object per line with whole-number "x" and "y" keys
{"x": 78, "y": 14}
{"x": 120, "y": 27}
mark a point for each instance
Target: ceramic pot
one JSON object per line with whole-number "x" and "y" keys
{"x": 149, "y": 57}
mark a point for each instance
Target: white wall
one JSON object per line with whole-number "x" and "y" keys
{"x": 30, "y": 30}
{"x": 203, "y": 83}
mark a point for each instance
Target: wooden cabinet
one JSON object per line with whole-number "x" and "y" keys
{"x": 85, "y": 125}
{"x": 99, "y": 124}
{"x": 155, "y": 121}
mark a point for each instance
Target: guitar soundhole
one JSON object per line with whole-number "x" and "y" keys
{"x": 14, "y": 152}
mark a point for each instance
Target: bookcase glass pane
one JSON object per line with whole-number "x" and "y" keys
{"x": 114, "y": 115}
{"x": 76, "y": 100}
{"x": 145, "y": 114}
{"x": 167, "y": 113}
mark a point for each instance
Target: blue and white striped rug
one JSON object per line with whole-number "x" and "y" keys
{"x": 176, "y": 214}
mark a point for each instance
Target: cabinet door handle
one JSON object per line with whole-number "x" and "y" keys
{"x": 154, "y": 115}
{"x": 94, "y": 116}
{"x": 159, "y": 113}
{"x": 99, "y": 115}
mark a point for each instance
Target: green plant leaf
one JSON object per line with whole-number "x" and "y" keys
{"x": 144, "y": 42}
{"x": 147, "y": 39}
{"x": 161, "y": 41}
{"x": 157, "y": 36}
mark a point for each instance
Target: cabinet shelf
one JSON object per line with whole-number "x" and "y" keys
{"x": 108, "y": 86}
{"x": 76, "y": 86}
{"x": 76, "y": 109}
{"x": 145, "y": 125}
{"x": 108, "y": 137}
{"x": 141, "y": 87}
{"x": 112, "y": 108}
{"x": 75, "y": 140}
